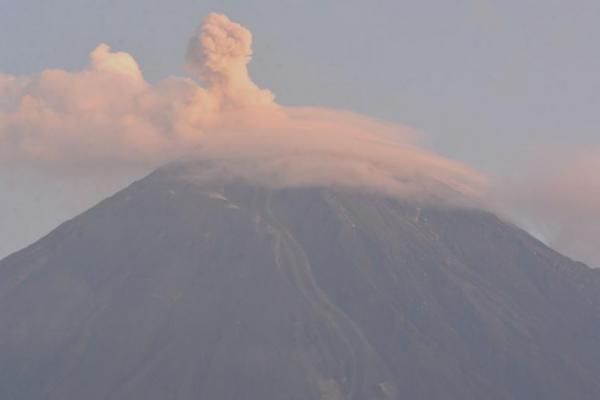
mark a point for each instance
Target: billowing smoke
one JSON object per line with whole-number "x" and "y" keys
{"x": 108, "y": 117}
{"x": 218, "y": 54}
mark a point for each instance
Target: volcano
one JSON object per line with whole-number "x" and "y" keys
{"x": 222, "y": 289}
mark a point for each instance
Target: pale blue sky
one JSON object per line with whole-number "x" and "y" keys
{"x": 489, "y": 82}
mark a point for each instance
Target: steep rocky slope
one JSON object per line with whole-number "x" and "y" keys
{"x": 172, "y": 289}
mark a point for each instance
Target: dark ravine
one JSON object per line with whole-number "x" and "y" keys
{"x": 177, "y": 290}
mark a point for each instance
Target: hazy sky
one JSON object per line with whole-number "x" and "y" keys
{"x": 495, "y": 84}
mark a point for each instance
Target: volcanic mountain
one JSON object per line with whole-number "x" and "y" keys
{"x": 222, "y": 289}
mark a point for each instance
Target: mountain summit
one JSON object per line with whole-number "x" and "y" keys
{"x": 178, "y": 288}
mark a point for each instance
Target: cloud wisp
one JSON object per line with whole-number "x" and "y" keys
{"x": 559, "y": 200}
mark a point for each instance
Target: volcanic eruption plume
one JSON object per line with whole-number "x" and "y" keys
{"x": 108, "y": 116}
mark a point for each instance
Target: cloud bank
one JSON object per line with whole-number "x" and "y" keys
{"x": 108, "y": 117}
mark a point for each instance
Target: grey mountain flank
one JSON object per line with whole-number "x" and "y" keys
{"x": 175, "y": 289}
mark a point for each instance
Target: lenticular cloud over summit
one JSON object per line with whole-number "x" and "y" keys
{"x": 107, "y": 115}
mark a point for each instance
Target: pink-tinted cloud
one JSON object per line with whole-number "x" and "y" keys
{"x": 219, "y": 53}
{"x": 108, "y": 116}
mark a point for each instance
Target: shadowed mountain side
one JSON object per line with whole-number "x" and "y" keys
{"x": 173, "y": 289}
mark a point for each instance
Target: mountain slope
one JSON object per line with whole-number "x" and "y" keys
{"x": 224, "y": 290}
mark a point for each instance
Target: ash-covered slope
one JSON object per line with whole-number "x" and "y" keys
{"x": 178, "y": 290}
